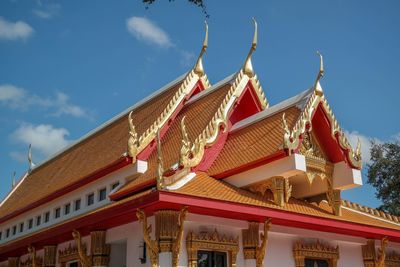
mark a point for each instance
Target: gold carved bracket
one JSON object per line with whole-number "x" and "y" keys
{"x": 316, "y": 250}
{"x": 84, "y": 259}
{"x": 211, "y": 241}
{"x": 151, "y": 244}
{"x": 278, "y": 185}
{"x": 381, "y": 258}
{"x": 260, "y": 250}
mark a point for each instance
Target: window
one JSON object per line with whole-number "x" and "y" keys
{"x": 102, "y": 194}
{"x": 114, "y": 185}
{"x": 67, "y": 208}
{"x": 77, "y": 204}
{"x": 57, "y": 213}
{"x": 1, "y": 235}
{"x": 14, "y": 230}
{"x": 316, "y": 263}
{"x": 8, "y": 233}
{"x": 21, "y": 227}
{"x": 73, "y": 264}
{"x": 211, "y": 259}
{"x": 90, "y": 199}
{"x": 38, "y": 220}
{"x": 47, "y": 217}
{"x": 30, "y": 223}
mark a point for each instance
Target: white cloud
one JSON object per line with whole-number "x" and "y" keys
{"x": 18, "y": 98}
{"x": 47, "y": 11}
{"x": 146, "y": 30}
{"x": 14, "y": 30}
{"x": 11, "y": 94}
{"x": 45, "y": 138}
{"x": 365, "y": 144}
{"x": 187, "y": 58}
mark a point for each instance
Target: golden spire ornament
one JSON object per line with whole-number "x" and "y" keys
{"x": 31, "y": 164}
{"x": 248, "y": 66}
{"x": 14, "y": 182}
{"x": 317, "y": 86}
{"x": 198, "y": 67}
{"x": 160, "y": 168}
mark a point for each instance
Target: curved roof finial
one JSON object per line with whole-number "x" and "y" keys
{"x": 31, "y": 164}
{"x": 248, "y": 67}
{"x": 14, "y": 182}
{"x": 317, "y": 86}
{"x": 198, "y": 67}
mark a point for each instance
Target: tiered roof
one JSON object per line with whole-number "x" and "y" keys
{"x": 230, "y": 128}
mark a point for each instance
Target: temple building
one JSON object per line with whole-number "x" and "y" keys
{"x": 202, "y": 175}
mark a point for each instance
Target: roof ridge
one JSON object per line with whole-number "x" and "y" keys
{"x": 112, "y": 120}
{"x": 371, "y": 211}
{"x": 292, "y": 138}
{"x": 287, "y": 103}
{"x": 184, "y": 90}
{"x": 210, "y": 133}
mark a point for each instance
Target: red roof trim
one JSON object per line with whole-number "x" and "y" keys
{"x": 118, "y": 164}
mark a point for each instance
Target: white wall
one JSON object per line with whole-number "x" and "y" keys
{"x": 279, "y": 249}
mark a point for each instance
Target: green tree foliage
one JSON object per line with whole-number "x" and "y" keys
{"x": 384, "y": 175}
{"x": 199, "y": 3}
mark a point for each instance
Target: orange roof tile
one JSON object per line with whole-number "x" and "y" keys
{"x": 254, "y": 142}
{"x": 208, "y": 187}
{"x": 87, "y": 156}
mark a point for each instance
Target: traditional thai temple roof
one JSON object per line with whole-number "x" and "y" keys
{"x": 194, "y": 138}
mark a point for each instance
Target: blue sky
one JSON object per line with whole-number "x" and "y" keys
{"x": 68, "y": 66}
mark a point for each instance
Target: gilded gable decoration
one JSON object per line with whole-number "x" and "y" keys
{"x": 152, "y": 245}
{"x": 137, "y": 145}
{"x": 83, "y": 258}
{"x": 293, "y": 138}
{"x": 70, "y": 253}
{"x": 260, "y": 250}
{"x": 316, "y": 250}
{"x": 211, "y": 241}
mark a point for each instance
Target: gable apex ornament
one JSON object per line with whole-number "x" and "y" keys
{"x": 248, "y": 66}
{"x": 198, "y": 67}
{"x": 31, "y": 164}
{"x": 14, "y": 182}
{"x": 133, "y": 141}
{"x": 317, "y": 86}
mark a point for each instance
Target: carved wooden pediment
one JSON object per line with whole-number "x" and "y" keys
{"x": 315, "y": 250}
{"x": 211, "y": 241}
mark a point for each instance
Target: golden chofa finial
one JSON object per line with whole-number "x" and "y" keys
{"x": 198, "y": 67}
{"x": 160, "y": 167}
{"x": 317, "y": 86}
{"x": 31, "y": 164}
{"x": 14, "y": 182}
{"x": 248, "y": 66}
